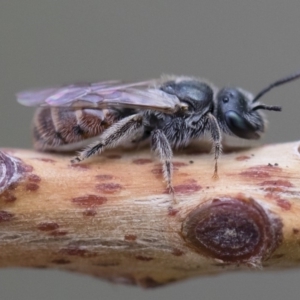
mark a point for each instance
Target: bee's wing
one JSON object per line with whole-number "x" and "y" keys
{"x": 41, "y": 97}
{"x": 142, "y": 95}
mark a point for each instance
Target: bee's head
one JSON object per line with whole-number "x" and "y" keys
{"x": 239, "y": 115}
{"x": 196, "y": 94}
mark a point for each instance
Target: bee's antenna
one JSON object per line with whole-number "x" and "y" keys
{"x": 266, "y": 107}
{"x": 275, "y": 84}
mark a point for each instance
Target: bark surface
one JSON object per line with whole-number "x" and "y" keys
{"x": 112, "y": 216}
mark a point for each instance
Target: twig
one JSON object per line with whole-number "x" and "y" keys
{"x": 112, "y": 216}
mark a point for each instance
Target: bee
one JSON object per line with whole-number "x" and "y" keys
{"x": 169, "y": 112}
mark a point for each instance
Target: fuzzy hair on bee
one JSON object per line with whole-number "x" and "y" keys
{"x": 168, "y": 112}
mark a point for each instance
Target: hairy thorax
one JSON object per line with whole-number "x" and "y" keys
{"x": 179, "y": 130}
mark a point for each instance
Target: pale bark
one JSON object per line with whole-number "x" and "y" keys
{"x": 112, "y": 216}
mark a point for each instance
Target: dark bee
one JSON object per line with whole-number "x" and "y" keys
{"x": 169, "y": 112}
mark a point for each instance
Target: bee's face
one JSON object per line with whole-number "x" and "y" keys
{"x": 235, "y": 113}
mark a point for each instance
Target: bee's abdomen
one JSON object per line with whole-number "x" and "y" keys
{"x": 54, "y": 127}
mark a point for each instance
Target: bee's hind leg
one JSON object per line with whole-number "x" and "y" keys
{"x": 162, "y": 147}
{"x": 121, "y": 131}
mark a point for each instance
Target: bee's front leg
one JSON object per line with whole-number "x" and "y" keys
{"x": 118, "y": 133}
{"x": 217, "y": 138}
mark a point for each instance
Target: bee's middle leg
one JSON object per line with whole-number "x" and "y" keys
{"x": 162, "y": 147}
{"x": 116, "y": 134}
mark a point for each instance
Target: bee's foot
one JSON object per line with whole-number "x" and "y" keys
{"x": 172, "y": 193}
{"x": 215, "y": 176}
{"x": 76, "y": 160}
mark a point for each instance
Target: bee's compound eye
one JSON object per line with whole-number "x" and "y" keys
{"x": 225, "y": 99}
{"x": 234, "y": 119}
{"x": 240, "y": 126}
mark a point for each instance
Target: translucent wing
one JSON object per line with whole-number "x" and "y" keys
{"x": 102, "y": 95}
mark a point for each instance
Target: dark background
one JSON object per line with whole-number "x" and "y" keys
{"x": 244, "y": 43}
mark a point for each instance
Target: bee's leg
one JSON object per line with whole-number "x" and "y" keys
{"x": 113, "y": 136}
{"x": 216, "y": 137}
{"x": 162, "y": 147}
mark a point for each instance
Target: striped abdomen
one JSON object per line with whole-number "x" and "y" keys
{"x": 66, "y": 129}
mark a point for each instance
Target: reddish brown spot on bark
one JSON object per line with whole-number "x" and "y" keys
{"x": 261, "y": 171}
{"x": 104, "y": 177}
{"x": 113, "y": 156}
{"x": 178, "y": 164}
{"x": 34, "y": 178}
{"x": 284, "y": 204}
{"x": 172, "y": 211}
{"x": 274, "y": 189}
{"x": 89, "y": 213}
{"x": 255, "y": 174}
{"x": 89, "y": 200}
{"x": 80, "y": 166}
{"x": 32, "y": 187}
{"x": 61, "y": 261}
{"x": 142, "y": 161}
{"x": 49, "y": 160}
{"x": 74, "y": 251}
{"x": 144, "y": 258}
{"x": 242, "y": 157}
{"x": 130, "y": 237}
{"x": 5, "y": 216}
{"x": 8, "y": 197}
{"x": 157, "y": 171}
{"x": 274, "y": 186}
{"x": 58, "y": 232}
{"x": 284, "y": 183}
{"x": 187, "y": 188}
{"x": 295, "y": 230}
{"x": 109, "y": 188}
{"x": 177, "y": 252}
{"x": 47, "y": 226}
{"x": 13, "y": 186}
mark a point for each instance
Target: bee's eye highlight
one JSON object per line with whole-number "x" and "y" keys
{"x": 225, "y": 99}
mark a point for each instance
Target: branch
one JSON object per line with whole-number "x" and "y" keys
{"x": 111, "y": 217}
